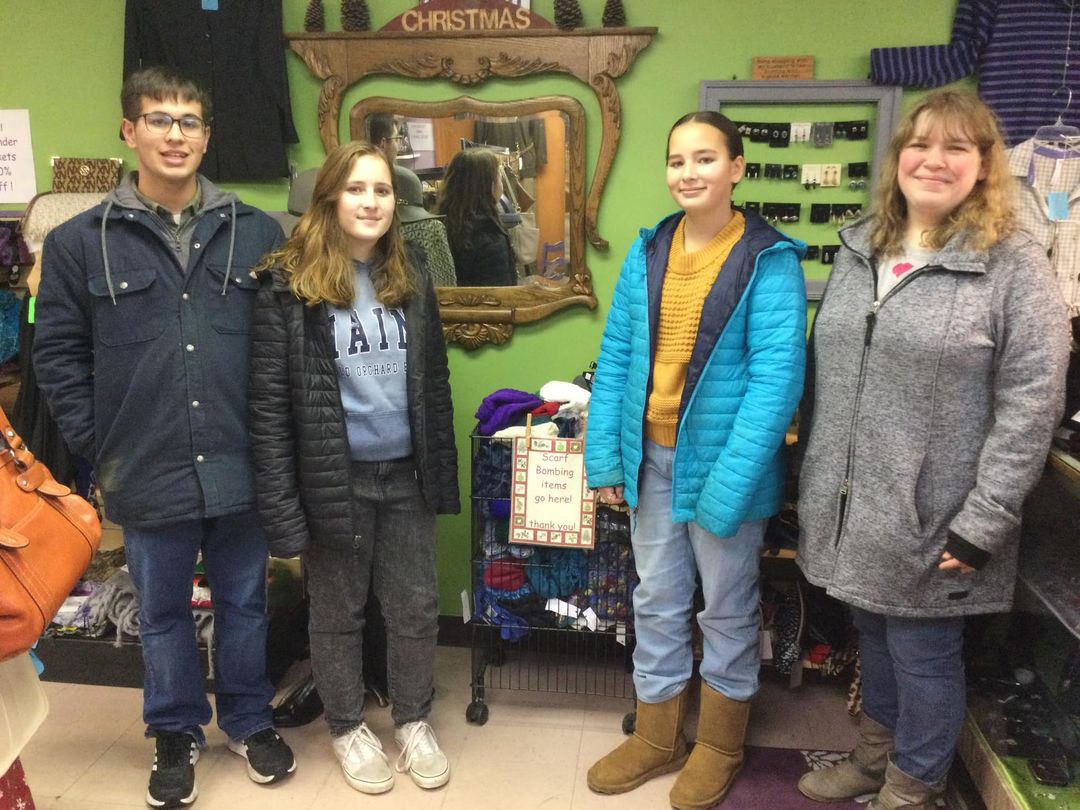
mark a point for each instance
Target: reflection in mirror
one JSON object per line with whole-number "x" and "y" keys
{"x": 539, "y": 147}
{"x": 515, "y": 230}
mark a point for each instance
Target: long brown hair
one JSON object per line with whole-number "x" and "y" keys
{"x": 986, "y": 214}
{"x": 468, "y": 191}
{"x": 315, "y": 258}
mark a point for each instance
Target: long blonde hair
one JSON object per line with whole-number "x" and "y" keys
{"x": 986, "y": 214}
{"x": 315, "y": 258}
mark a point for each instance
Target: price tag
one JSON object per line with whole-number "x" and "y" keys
{"x": 1057, "y": 204}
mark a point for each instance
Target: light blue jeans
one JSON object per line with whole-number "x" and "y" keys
{"x": 669, "y": 557}
{"x": 913, "y": 683}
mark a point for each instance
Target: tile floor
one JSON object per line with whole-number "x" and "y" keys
{"x": 532, "y": 753}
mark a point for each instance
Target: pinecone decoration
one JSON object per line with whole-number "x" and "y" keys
{"x": 315, "y": 16}
{"x": 355, "y": 15}
{"x": 614, "y": 14}
{"x": 567, "y": 14}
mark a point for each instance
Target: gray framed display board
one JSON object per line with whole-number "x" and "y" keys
{"x": 832, "y": 97}
{"x": 714, "y": 95}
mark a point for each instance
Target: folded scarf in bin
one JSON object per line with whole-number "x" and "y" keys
{"x": 489, "y": 611}
{"x": 531, "y": 608}
{"x": 554, "y": 572}
{"x": 611, "y": 582}
{"x": 491, "y": 469}
{"x": 503, "y": 575}
{"x": 505, "y": 407}
{"x": 495, "y": 538}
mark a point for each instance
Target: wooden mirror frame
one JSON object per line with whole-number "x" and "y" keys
{"x": 477, "y": 315}
{"x": 597, "y": 57}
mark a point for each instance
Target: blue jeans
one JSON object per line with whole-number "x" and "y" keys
{"x": 913, "y": 683}
{"x": 669, "y": 557}
{"x": 162, "y": 565}
{"x": 393, "y": 554}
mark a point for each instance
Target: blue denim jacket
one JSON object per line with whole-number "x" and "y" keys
{"x": 144, "y": 361}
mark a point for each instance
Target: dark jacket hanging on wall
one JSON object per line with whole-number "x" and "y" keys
{"x": 238, "y": 54}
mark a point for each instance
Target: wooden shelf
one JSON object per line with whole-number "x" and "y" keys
{"x": 987, "y": 770}
{"x": 1050, "y": 550}
{"x": 779, "y": 554}
{"x": 1066, "y": 464}
{"x": 1003, "y": 781}
{"x": 1050, "y": 572}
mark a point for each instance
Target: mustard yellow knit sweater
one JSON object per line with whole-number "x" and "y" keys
{"x": 687, "y": 282}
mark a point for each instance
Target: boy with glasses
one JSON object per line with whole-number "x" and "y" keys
{"x": 143, "y": 321}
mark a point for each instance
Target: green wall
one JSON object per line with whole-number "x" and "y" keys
{"x": 68, "y": 74}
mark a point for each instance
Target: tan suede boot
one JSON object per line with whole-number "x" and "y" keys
{"x": 862, "y": 772}
{"x": 656, "y": 747}
{"x": 903, "y": 792}
{"x": 717, "y": 754}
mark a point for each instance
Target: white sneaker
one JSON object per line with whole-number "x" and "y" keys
{"x": 421, "y": 755}
{"x": 362, "y": 759}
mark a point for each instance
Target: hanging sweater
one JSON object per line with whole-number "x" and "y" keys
{"x": 236, "y": 53}
{"x": 688, "y": 279}
{"x": 1018, "y": 49}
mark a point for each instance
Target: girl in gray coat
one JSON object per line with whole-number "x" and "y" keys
{"x": 935, "y": 380}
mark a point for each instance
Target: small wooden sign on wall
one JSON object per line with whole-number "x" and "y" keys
{"x": 782, "y": 68}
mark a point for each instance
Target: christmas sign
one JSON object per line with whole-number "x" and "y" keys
{"x": 452, "y": 16}
{"x": 551, "y": 503}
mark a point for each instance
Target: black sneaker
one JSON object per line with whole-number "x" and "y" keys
{"x": 269, "y": 757}
{"x": 172, "y": 779}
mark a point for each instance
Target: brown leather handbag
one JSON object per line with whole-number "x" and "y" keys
{"x": 86, "y": 174}
{"x": 47, "y": 537}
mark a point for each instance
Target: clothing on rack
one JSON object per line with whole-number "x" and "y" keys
{"x": 32, "y": 418}
{"x": 1040, "y": 172}
{"x": 1017, "y": 47}
{"x": 237, "y": 53}
{"x": 527, "y": 137}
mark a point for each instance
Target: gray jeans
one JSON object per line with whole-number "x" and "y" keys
{"x": 393, "y": 552}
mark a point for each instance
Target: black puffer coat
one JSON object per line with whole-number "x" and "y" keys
{"x": 299, "y": 443}
{"x": 484, "y": 258}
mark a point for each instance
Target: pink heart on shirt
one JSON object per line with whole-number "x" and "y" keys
{"x": 899, "y": 269}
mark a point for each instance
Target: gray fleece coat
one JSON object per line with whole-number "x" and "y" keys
{"x": 928, "y": 411}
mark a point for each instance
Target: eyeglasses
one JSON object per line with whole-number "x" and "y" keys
{"x": 191, "y": 126}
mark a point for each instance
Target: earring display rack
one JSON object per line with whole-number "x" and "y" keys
{"x": 811, "y": 167}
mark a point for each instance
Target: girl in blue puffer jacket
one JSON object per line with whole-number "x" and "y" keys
{"x": 700, "y": 370}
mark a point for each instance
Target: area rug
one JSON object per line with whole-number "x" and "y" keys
{"x": 768, "y": 778}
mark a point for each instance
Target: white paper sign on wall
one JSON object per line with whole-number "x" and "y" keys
{"x": 551, "y": 504}
{"x": 18, "y": 182}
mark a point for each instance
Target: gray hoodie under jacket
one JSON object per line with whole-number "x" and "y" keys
{"x": 928, "y": 411}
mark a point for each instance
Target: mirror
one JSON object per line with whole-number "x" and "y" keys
{"x": 532, "y": 152}
{"x": 595, "y": 57}
{"x": 539, "y": 146}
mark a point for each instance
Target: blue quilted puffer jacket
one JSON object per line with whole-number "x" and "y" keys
{"x": 742, "y": 385}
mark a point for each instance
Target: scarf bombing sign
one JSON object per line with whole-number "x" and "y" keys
{"x": 552, "y": 504}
